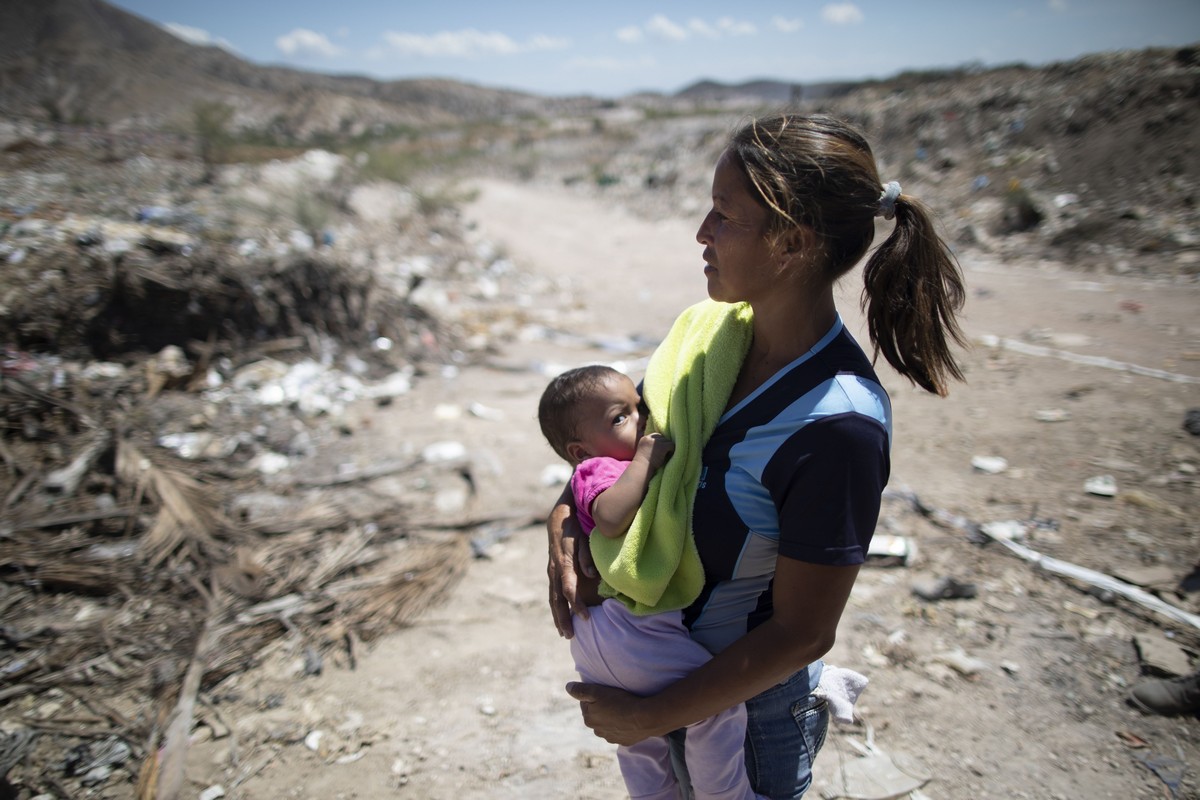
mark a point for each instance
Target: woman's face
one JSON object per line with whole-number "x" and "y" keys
{"x": 740, "y": 261}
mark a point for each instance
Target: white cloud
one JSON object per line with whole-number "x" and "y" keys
{"x": 787, "y": 25}
{"x": 467, "y": 43}
{"x": 702, "y": 28}
{"x": 543, "y": 42}
{"x": 665, "y": 28}
{"x": 661, "y": 27}
{"x": 197, "y": 36}
{"x": 631, "y": 34}
{"x": 1058, "y": 5}
{"x": 735, "y": 28}
{"x": 304, "y": 43}
{"x": 842, "y": 14}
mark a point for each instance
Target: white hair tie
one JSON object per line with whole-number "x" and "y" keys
{"x": 887, "y": 200}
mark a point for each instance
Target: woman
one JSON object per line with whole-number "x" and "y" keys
{"x": 792, "y": 477}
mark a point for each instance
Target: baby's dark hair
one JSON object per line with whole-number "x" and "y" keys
{"x": 557, "y": 410}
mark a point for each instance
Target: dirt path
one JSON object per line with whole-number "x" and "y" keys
{"x": 469, "y": 702}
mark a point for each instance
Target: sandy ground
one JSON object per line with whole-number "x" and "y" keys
{"x": 469, "y": 702}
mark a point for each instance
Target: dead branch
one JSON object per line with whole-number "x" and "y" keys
{"x": 355, "y": 476}
{"x": 65, "y": 481}
{"x": 20, "y": 387}
{"x": 175, "y": 742}
{"x": 67, "y": 520}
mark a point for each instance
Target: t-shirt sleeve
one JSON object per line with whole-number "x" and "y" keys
{"x": 827, "y": 482}
{"x": 591, "y": 478}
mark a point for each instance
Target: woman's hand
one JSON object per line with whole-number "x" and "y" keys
{"x": 612, "y": 714}
{"x": 572, "y": 574}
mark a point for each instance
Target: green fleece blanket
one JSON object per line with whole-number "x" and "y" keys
{"x": 655, "y": 566}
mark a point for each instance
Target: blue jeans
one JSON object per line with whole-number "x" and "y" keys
{"x": 785, "y": 728}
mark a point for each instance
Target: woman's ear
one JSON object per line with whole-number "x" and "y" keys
{"x": 797, "y": 240}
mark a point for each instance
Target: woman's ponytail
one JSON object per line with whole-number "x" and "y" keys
{"x": 913, "y": 290}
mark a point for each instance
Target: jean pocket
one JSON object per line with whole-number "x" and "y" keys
{"x": 812, "y": 719}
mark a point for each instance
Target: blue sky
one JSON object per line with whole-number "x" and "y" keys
{"x": 613, "y": 47}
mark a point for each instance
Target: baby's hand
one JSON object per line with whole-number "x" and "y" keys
{"x": 656, "y": 449}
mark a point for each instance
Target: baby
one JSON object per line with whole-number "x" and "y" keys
{"x": 591, "y": 417}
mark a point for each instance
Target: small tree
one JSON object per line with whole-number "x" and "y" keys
{"x": 210, "y": 119}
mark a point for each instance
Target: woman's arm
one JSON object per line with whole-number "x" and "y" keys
{"x": 809, "y": 600}
{"x": 572, "y": 574}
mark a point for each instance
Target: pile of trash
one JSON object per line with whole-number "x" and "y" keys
{"x": 160, "y": 374}
{"x": 1087, "y": 163}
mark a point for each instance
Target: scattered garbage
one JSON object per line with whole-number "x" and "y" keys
{"x": 556, "y": 474}
{"x": 1168, "y": 770}
{"x": 1161, "y": 657}
{"x": 1101, "y": 486}
{"x": 1011, "y": 530}
{"x": 888, "y": 549}
{"x": 945, "y": 588}
{"x": 960, "y": 662}
{"x": 992, "y": 465}
{"x": 1191, "y": 421}
{"x": 448, "y": 452}
{"x": 874, "y": 775}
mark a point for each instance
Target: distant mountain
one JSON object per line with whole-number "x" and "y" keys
{"x": 88, "y": 61}
{"x": 760, "y": 90}
{"x": 764, "y": 91}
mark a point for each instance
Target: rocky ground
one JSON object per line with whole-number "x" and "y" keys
{"x": 365, "y": 415}
{"x": 1018, "y": 692}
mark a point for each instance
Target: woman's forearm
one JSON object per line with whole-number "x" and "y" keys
{"x": 749, "y": 666}
{"x": 809, "y": 600}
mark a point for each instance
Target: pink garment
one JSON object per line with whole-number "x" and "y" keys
{"x": 644, "y": 655}
{"x": 591, "y": 478}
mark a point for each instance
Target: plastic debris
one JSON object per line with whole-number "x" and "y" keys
{"x": 1010, "y": 529}
{"x": 992, "y": 465}
{"x": 486, "y": 412}
{"x": 960, "y": 662}
{"x": 874, "y": 776}
{"x": 1101, "y": 485}
{"x": 901, "y": 549}
{"x": 946, "y": 588}
{"x": 556, "y": 475}
{"x": 198, "y": 445}
{"x": 447, "y": 411}
{"x": 1157, "y": 655}
{"x": 444, "y": 452}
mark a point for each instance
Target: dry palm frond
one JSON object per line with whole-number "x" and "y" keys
{"x": 65, "y": 561}
{"x": 319, "y": 516}
{"x": 286, "y": 561}
{"x": 188, "y": 515}
{"x": 346, "y": 554}
{"x": 398, "y": 589}
{"x": 246, "y": 576}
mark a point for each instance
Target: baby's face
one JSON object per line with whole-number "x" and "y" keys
{"x": 609, "y": 421}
